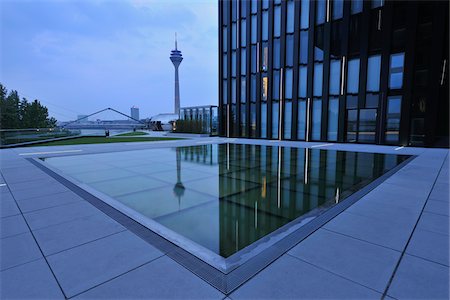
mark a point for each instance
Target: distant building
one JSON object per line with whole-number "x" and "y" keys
{"x": 135, "y": 112}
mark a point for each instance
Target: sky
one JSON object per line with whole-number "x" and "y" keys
{"x": 80, "y": 56}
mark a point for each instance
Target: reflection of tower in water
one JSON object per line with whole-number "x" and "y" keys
{"x": 179, "y": 188}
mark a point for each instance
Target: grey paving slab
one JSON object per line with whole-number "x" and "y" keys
{"x": 34, "y": 184}
{"x": 60, "y": 214}
{"x": 33, "y": 280}
{"x": 13, "y": 225}
{"x": 43, "y": 190}
{"x": 41, "y": 202}
{"x": 29, "y": 173}
{"x": 440, "y": 192}
{"x": 437, "y": 207}
{"x": 66, "y": 235}
{"x": 434, "y": 222}
{"x": 18, "y": 249}
{"x": 160, "y": 279}
{"x": 388, "y": 233}
{"x": 408, "y": 181}
{"x": 430, "y": 245}
{"x": 362, "y": 262}
{"x": 397, "y": 195}
{"x": 407, "y": 215}
{"x": 9, "y": 208}
{"x": 88, "y": 265}
{"x": 420, "y": 279}
{"x": 291, "y": 278}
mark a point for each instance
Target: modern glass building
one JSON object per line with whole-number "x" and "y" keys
{"x": 331, "y": 70}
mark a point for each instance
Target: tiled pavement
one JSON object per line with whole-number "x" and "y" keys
{"x": 392, "y": 243}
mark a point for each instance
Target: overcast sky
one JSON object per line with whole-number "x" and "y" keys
{"x": 79, "y": 56}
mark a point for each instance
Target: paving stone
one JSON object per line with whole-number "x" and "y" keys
{"x": 434, "y": 222}
{"x": 30, "y": 280}
{"x": 398, "y": 196}
{"x": 420, "y": 279}
{"x": 63, "y": 236}
{"x": 29, "y": 173}
{"x": 407, "y": 215}
{"x": 34, "y": 184}
{"x": 362, "y": 262}
{"x": 18, "y": 249}
{"x": 388, "y": 233}
{"x": 43, "y": 190}
{"x": 440, "y": 192}
{"x": 9, "y": 208}
{"x": 430, "y": 245}
{"x": 437, "y": 207}
{"x": 48, "y": 201}
{"x": 60, "y": 214}
{"x": 88, "y": 265}
{"x": 13, "y": 225}
{"x": 291, "y": 278}
{"x": 160, "y": 279}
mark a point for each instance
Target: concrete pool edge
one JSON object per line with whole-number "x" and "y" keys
{"x": 224, "y": 282}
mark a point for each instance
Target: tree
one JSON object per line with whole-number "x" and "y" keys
{"x": 17, "y": 114}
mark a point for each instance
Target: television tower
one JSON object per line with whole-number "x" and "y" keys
{"x": 176, "y": 58}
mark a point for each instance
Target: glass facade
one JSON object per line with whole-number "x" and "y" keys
{"x": 333, "y": 70}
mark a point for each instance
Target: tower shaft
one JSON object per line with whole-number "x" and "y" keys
{"x": 177, "y": 92}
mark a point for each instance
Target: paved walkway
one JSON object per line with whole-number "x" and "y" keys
{"x": 394, "y": 242}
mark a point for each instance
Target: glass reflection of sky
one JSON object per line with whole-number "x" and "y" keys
{"x": 225, "y": 197}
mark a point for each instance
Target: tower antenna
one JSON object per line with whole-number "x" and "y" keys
{"x": 176, "y": 48}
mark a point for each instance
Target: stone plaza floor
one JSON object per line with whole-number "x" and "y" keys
{"x": 392, "y": 243}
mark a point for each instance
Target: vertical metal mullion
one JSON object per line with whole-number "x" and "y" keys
{"x": 270, "y": 73}
{"x": 309, "y": 89}
{"x": 342, "y": 127}
{"x": 326, "y": 75}
{"x": 295, "y": 70}
{"x": 282, "y": 68}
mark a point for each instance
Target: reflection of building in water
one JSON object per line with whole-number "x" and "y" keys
{"x": 263, "y": 188}
{"x": 178, "y": 189}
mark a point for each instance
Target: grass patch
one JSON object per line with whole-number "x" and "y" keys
{"x": 134, "y": 133}
{"x": 101, "y": 140}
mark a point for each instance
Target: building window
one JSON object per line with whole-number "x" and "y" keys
{"x": 254, "y": 6}
{"x": 301, "y": 128}
{"x": 224, "y": 65}
{"x": 233, "y": 36}
{"x": 224, "y": 92}
{"x": 287, "y": 119}
{"x": 338, "y": 9}
{"x": 276, "y": 53}
{"x": 243, "y": 11}
{"x": 275, "y": 115}
{"x": 393, "y": 114}
{"x": 265, "y": 56}
{"x": 225, "y": 12}
{"x": 242, "y": 118}
{"x": 254, "y": 29}
{"x": 243, "y": 61}
{"x": 290, "y": 16}
{"x": 335, "y": 77}
{"x": 373, "y": 73}
{"x": 304, "y": 14}
{"x": 253, "y": 119}
{"x": 396, "y": 71}
{"x": 233, "y": 64}
{"x": 290, "y": 50}
{"x": 367, "y": 125}
{"x": 224, "y": 39}
{"x": 253, "y": 88}
{"x": 276, "y": 85}
{"x": 318, "y": 79}
{"x": 263, "y": 120}
{"x": 357, "y": 6}
{"x": 265, "y": 25}
{"x": 333, "y": 118}
{"x": 265, "y": 86}
{"x": 254, "y": 57}
{"x": 243, "y": 89}
{"x": 316, "y": 119}
{"x": 318, "y": 43}
{"x": 352, "y": 124}
{"x": 320, "y": 11}
{"x": 353, "y": 76}
{"x": 243, "y": 31}
{"x": 265, "y": 4}
{"x": 233, "y": 90}
{"x": 377, "y": 3}
{"x": 304, "y": 47}
{"x": 288, "y": 83}
{"x": 234, "y": 10}
{"x": 277, "y": 21}
{"x": 302, "y": 81}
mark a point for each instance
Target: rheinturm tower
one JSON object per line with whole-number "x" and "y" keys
{"x": 176, "y": 58}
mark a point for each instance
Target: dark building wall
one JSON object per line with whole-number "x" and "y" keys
{"x": 346, "y": 71}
